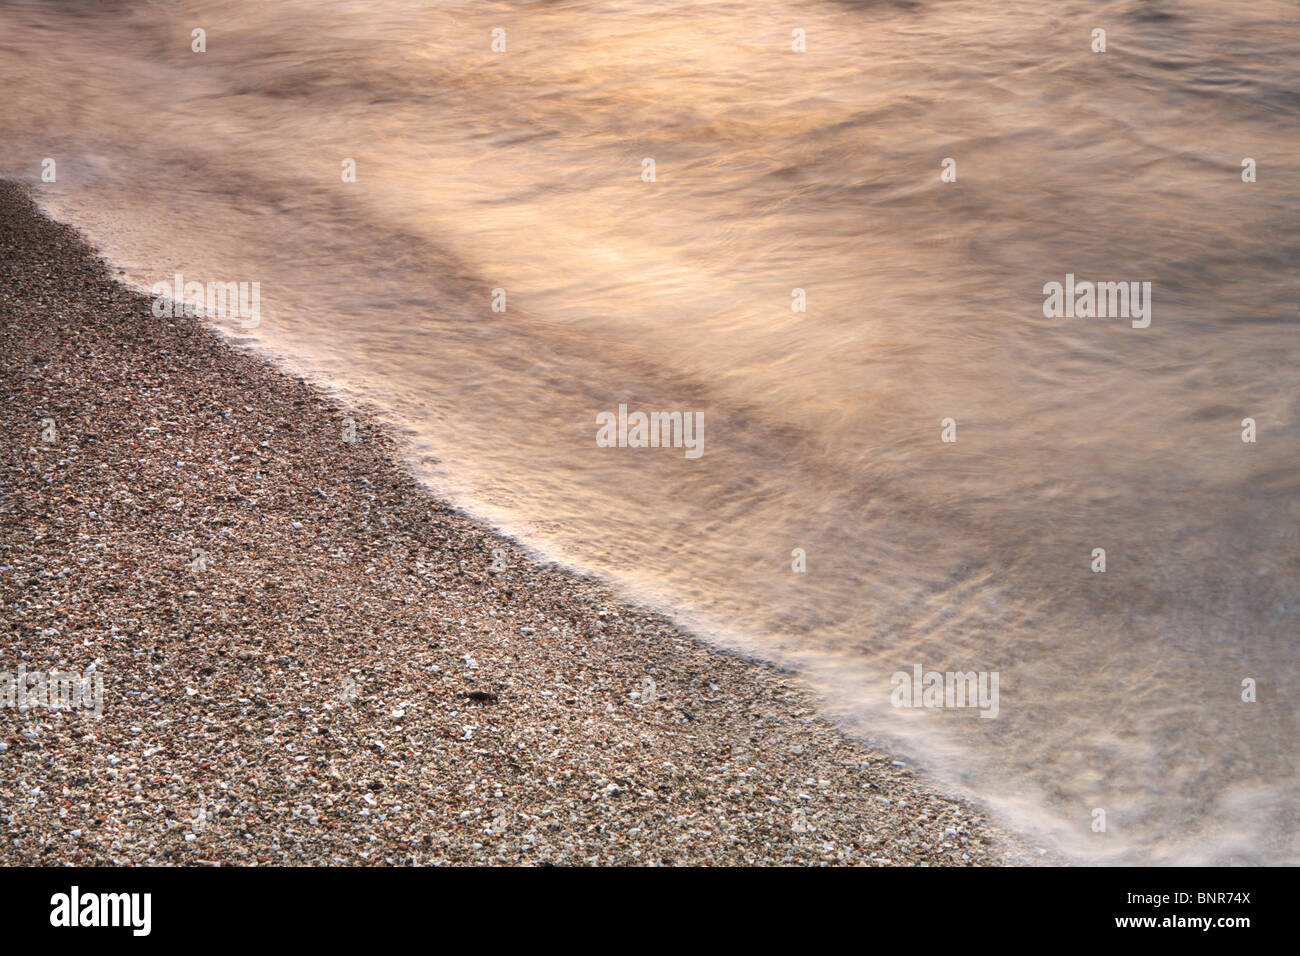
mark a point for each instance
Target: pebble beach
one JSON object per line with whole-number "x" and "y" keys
{"x": 310, "y": 659}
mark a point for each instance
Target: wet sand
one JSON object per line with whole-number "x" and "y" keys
{"x": 309, "y": 659}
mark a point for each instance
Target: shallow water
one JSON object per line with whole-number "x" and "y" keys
{"x": 778, "y": 170}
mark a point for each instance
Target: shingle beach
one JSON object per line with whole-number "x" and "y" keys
{"x": 307, "y": 658}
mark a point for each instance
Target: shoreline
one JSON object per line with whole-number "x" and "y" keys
{"x": 347, "y": 676}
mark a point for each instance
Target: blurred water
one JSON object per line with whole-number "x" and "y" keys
{"x": 779, "y": 170}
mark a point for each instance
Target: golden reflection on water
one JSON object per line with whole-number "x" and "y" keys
{"x": 778, "y": 171}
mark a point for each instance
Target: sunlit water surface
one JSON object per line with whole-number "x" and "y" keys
{"x": 778, "y": 170}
